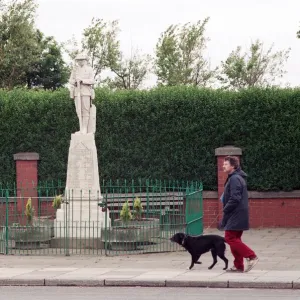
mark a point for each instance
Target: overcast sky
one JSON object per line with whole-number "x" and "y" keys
{"x": 232, "y": 23}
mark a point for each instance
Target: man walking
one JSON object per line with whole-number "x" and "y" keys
{"x": 236, "y": 215}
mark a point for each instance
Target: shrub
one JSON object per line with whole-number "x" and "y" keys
{"x": 125, "y": 214}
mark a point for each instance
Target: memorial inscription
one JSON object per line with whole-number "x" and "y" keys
{"x": 81, "y": 166}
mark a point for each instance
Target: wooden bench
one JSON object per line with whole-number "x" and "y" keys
{"x": 169, "y": 204}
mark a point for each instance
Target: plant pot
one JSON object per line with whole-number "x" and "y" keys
{"x": 130, "y": 235}
{"x": 44, "y": 221}
{"x": 143, "y": 222}
{"x": 28, "y": 237}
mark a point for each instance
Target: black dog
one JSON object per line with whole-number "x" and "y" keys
{"x": 198, "y": 245}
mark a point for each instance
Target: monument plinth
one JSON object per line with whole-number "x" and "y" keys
{"x": 80, "y": 217}
{"x": 83, "y": 174}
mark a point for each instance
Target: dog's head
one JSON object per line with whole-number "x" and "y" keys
{"x": 178, "y": 238}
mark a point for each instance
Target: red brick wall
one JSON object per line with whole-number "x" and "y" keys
{"x": 13, "y": 216}
{"x": 46, "y": 209}
{"x": 264, "y": 213}
{"x": 210, "y": 212}
{"x": 278, "y": 212}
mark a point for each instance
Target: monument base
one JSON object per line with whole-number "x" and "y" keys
{"x": 80, "y": 217}
{"x": 77, "y": 243}
{"x": 80, "y": 220}
{"x": 82, "y": 173}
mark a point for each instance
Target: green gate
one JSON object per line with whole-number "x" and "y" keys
{"x": 194, "y": 212}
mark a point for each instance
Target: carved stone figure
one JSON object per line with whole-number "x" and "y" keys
{"x": 81, "y": 90}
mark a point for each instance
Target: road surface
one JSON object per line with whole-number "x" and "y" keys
{"x": 138, "y": 293}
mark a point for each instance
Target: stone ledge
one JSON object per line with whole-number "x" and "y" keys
{"x": 296, "y": 285}
{"x": 26, "y": 156}
{"x": 22, "y": 282}
{"x": 269, "y": 195}
{"x": 210, "y": 195}
{"x": 233, "y": 283}
{"x": 228, "y": 150}
{"x": 194, "y": 283}
{"x": 260, "y": 284}
{"x": 258, "y": 195}
{"x": 134, "y": 282}
{"x": 74, "y": 282}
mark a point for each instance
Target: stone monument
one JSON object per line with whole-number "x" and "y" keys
{"x": 80, "y": 217}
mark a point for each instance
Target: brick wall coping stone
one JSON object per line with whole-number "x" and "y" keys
{"x": 26, "y": 156}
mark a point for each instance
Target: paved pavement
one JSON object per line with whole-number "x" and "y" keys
{"x": 138, "y": 293}
{"x": 279, "y": 267}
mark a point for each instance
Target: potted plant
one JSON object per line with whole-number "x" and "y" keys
{"x": 125, "y": 214}
{"x": 57, "y": 201}
{"x": 29, "y": 212}
{"x": 138, "y": 208}
{"x": 137, "y": 219}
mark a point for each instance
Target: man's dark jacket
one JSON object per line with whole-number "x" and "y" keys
{"x": 235, "y": 202}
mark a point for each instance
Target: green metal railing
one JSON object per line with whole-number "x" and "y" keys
{"x": 127, "y": 217}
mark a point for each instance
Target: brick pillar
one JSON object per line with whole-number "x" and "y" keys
{"x": 222, "y": 176}
{"x": 27, "y": 179}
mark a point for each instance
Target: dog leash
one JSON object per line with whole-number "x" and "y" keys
{"x": 214, "y": 220}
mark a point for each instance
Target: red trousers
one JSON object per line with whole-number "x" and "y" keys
{"x": 238, "y": 249}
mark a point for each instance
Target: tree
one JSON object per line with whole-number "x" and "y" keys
{"x": 180, "y": 56}
{"x": 27, "y": 57}
{"x": 50, "y": 70}
{"x": 255, "y": 67}
{"x": 129, "y": 73}
{"x": 101, "y": 44}
{"x": 18, "y": 42}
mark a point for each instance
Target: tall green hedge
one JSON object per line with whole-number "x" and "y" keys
{"x": 168, "y": 133}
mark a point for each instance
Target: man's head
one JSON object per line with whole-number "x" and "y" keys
{"x": 81, "y": 62}
{"x": 231, "y": 163}
{"x": 81, "y": 59}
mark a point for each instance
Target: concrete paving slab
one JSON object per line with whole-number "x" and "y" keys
{"x": 6, "y": 273}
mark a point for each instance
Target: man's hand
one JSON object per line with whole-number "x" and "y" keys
{"x": 76, "y": 83}
{"x": 220, "y": 225}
